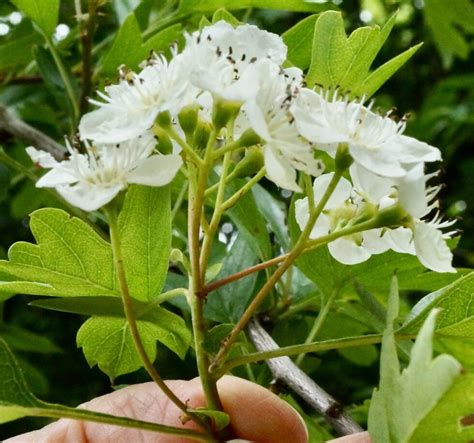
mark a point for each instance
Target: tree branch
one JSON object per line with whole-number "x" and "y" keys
{"x": 284, "y": 370}
{"x": 18, "y": 128}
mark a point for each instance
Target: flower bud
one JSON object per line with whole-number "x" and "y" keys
{"x": 165, "y": 145}
{"x": 250, "y": 164}
{"x": 164, "y": 119}
{"x": 223, "y": 112}
{"x": 249, "y": 138}
{"x": 188, "y": 118}
{"x": 201, "y": 135}
{"x": 392, "y": 216}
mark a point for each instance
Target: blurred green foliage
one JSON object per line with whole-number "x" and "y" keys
{"x": 436, "y": 87}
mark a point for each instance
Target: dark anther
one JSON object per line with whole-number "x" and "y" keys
{"x": 209, "y": 37}
{"x": 253, "y": 59}
{"x": 243, "y": 57}
{"x": 230, "y": 50}
{"x": 230, "y": 59}
{"x": 218, "y": 51}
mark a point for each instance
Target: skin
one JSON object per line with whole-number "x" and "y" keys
{"x": 256, "y": 415}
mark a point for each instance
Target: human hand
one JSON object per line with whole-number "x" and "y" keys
{"x": 256, "y": 415}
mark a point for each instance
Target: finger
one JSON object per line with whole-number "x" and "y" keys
{"x": 360, "y": 437}
{"x": 256, "y": 415}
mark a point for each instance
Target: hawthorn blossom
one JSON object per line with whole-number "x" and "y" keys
{"x": 93, "y": 179}
{"x": 227, "y": 62}
{"x": 375, "y": 142}
{"x": 421, "y": 236}
{"x": 130, "y": 107}
{"x": 338, "y": 211}
{"x": 285, "y": 151}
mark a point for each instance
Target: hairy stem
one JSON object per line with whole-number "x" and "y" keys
{"x": 197, "y": 186}
{"x": 131, "y": 317}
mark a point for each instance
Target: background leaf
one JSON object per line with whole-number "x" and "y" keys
{"x": 42, "y": 12}
{"x": 145, "y": 235}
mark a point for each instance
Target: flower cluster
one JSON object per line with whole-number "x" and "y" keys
{"x": 242, "y": 69}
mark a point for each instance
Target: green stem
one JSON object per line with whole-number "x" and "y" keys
{"x": 65, "y": 78}
{"x": 97, "y": 417}
{"x": 231, "y": 201}
{"x": 339, "y": 343}
{"x": 185, "y": 147}
{"x": 229, "y": 147}
{"x": 131, "y": 317}
{"x": 197, "y": 185}
{"x": 179, "y": 200}
{"x": 270, "y": 283}
{"x": 319, "y": 322}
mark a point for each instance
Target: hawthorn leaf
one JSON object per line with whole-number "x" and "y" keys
{"x": 108, "y": 343}
{"x": 44, "y": 13}
{"x": 145, "y": 236}
{"x": 343, "y": 63}
{"x": 452, "y": 418}
{"x": 223, "y": 14}
{"x": 69, "y": 259}
{"x": 299, "y": 40}
{"x": 129, "y": 48}
{"x": 404, "y": 399}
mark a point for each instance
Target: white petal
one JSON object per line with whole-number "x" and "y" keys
{"x": 279, "y": 171}
{"x": 374, "y": 241}
{"x": 400, "y": 240}
{"x": 42, "y": 158}
{"x": 322, "y": 225}
{"x": 256, "y": 119}
{"x": 348, "y": 252}
{"x": 376, "y": 160}
{"x": 416, "y": 151}
{"x": 412, "y": 191}
{"x": 157, "y": 170}
{"x": 56, "y": 177}
{"x": 339, "y": 196}
{"x": 89, "y": 197}
{"x": 431, "y": 249}
{"x": 370, "y": 185}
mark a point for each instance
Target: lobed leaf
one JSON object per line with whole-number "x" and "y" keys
{"x": 69, "y": 259}
{"x": 404, "y": 399}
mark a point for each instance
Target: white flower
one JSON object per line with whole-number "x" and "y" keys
{"x": 91, "y": 180}
{"x": 422, "y": 238}
{"x": 226, "y": 61}
{"x": 376, "y": 142}
{"x": 285, "y": 151}
{"x": 130, "y": 107}
{"x": 339, "y": 210}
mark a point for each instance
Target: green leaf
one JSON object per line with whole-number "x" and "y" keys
{"x": 227, "y": 303}
{"x": 70, "y": 259}
{"x": 451, "y": 419}
{"x": 341, "y": 62}
{"x": 377, "y": 78}
{"x": 129, "y": 48}
{"x": 44, "y": 13}
{"x": 107, "y": 341}
{"x": 299, "y": 40}
{"x": 17, "y": 52}
{"x": 250, "y": 223}
{"x": 27, "y": 341}
{"x": 274, "y": 213}
{"x": 450, "y": 26}
{"x": 195, "y": 6}
{"x": 404, "y": 399}
{"x": 145, "y": 236}
{"x": 223, "y": 14}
